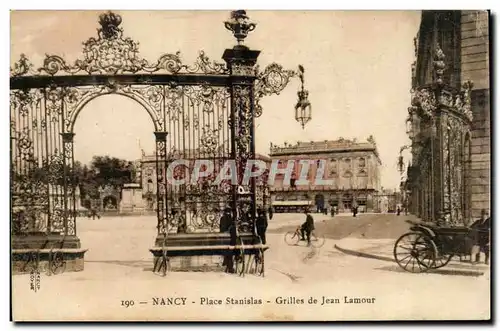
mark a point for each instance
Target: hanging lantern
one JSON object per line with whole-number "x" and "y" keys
{"x": 303, "y": 111}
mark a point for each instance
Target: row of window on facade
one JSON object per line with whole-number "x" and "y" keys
{"x": 332, "y": 168}
{"x": 332, "y": 162}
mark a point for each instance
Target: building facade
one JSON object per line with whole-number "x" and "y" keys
{"x": 353, "y": 168}
{"x": 449, "y": 177}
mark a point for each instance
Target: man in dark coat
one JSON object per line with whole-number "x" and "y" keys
{"x": 261, "y": 225}
{"x": 481, "y": 233}
{"x": 226, "y": 225}
{"x": 307, "y": 227}
{"x": 226, "y": 220}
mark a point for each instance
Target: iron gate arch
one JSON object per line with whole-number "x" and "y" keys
{"x": 199, "y": 111}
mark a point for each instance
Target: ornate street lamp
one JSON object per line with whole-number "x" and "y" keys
{"x": 303, "y": 111}
{"x": 274, "y": 78}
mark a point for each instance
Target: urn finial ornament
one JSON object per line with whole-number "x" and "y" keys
{"x": 439, "y": 65}
{"x": 240, "y": 25}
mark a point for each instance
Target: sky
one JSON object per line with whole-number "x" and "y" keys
{"x": 357, "y": 70}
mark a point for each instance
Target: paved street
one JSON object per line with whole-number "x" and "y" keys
{"x": 118, "y": 267}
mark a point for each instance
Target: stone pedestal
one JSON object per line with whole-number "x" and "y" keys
{"x": 198, "y": 251}
{"x": 132, "y": 201}
{"x": 36, "y": 251}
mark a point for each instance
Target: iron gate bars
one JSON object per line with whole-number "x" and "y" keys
{"x": 200, "y": 111}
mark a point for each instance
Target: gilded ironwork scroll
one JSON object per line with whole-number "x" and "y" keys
{"x": 111, "y": 53}
{"x": 272, "y": 80}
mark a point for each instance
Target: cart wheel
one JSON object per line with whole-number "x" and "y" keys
{"x": 239, "y": 258}
{"x": 162, "y": 265}
{"x": 30, "y": 263}
{"x": 292, "y": 238}
{"x": 442, "y": 260}
{"x": 57, "y": 264}
{"x": 415, "y": 252}
{"x": 258, "y": 261}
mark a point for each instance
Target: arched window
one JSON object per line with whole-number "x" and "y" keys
{"x": 347, "y": 163}
{"x": 150, "y": 186}
{"x": 333, "y": 168}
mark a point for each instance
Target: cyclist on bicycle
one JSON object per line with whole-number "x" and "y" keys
{"x": 307, "y": 227}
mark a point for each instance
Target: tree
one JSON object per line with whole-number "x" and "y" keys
{"x": 111, "y": 171}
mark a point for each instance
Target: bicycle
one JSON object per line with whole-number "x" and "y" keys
{"x": 292, "y": 238}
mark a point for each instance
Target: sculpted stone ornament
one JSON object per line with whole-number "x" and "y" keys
{"x": 439, "y": 65}
{"x": 240, "y": 25}
{"x": 465, "y": 105}
{"x": 370, "y": 139}
{"x": 424, "y": 100}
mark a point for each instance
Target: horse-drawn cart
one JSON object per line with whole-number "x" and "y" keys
{"x": 429, "y": 246}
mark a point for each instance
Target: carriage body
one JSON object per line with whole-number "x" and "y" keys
{"x": 429, "y": 246}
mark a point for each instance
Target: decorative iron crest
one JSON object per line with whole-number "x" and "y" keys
{"x": 272, "y": 80}
{"x": 112, "y": 53}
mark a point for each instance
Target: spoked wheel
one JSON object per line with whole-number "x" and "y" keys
{"x": 257, "y": 264}
{"x": 239, "y": 258}
{"x": 415, "y": 252}
{"x": 30, "y": 262}
{"x": 57, "y": 264}
{"x": 442, "y": 260}
{"x": 292, "y": 238}
{"x": 317, "y": 241}
{"x": 162, "y": 265}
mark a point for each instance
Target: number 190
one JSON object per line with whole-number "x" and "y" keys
{"x": 127, "y": 303}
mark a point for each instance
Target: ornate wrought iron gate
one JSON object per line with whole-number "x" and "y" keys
{"x": 204, "y": 111}
{"x": 441, "y": 119}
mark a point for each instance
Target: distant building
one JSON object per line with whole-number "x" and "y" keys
{"x": 353, "y": 166}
